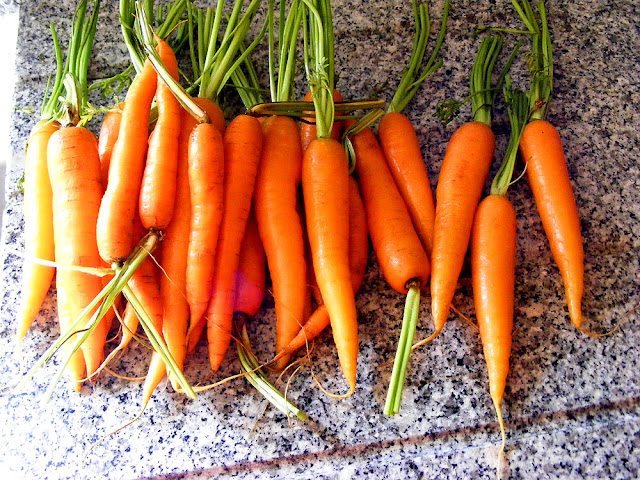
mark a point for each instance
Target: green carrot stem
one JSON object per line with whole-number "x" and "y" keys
{"x": 411, "y": 81}
{"x": 399, "y": 372}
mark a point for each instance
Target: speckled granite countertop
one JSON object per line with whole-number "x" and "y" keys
{"x": 572, "y": 406}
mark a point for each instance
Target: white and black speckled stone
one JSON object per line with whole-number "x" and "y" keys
{"x": 572, "y": 405}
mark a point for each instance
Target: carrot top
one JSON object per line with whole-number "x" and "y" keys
{"x": 411, "y": 81}
{"x": 518, "y": 109}
{"x": 319, "y": 62}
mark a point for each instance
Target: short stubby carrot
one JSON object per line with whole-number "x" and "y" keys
{"x": 541, "y": 149}
{"x": 38, "y": 226}
{"x": 158, "y": 188}
{"x": 242, "y": 151}
{"x": 74, "y": 170}
{"x": 493, "y": 251}
{"x": 120, "y": 202}
{"x": 399, "y": 252}
{"x": 325, "y": 185}
{"x": 308, "y": 128}
{"x": 251, "y": 271}
{"x": 279, "y": 224}
{"x": 401, "y": 149}
{"x": 107, "y": 139}
{"x": 461, "y": 180}
{"x": 206, "y": 186}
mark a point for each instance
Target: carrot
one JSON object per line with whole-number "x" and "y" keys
{"x": 280, "y": 225}
{"x": 38, "y": 226}
{"x": 107, "y": 138}
{"x": 460, "y": 182}
{"x": 118, "y": 207}
{"x": 358, "y": 254}
{"x": 206, "y": 176}
{"x": 242, "y": 150}
{"x": 493, "y": 251}
{"x": 398, "y": 249}
{"x": 308, "y": 127}
{"x": 74, "y": 170}
{"x": 250, "y": 272}
{"x": 541, "y": 149}
{"x": 548, "y": 177}
{"x": 401, "y": 149}
{"x": 158, "y": 187}
{"x": 398, "y": 138}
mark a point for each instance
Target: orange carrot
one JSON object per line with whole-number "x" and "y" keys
{"x": 38, "y": 226}
{"x": 206, "y": 183}
{"x": 107, "y": 138}
{"x": 548, "y": 177}
{"x": 460, "y": 183}
{"x": 242, "y": 150}
{"x": 279, "y": 224}
{"x": 358, "y": 254}
{"x": 308, "y": 127}
{"x": 74, "y": 170}
{"x": 493, "y": 251}
{"x": 399, "y": 252}
{"x": 118, "y": 207}
{"x": 250, "y": 273}
{"x": 176, "y": 243}
{"x": 402, "y": 151}
{"x": 325, "y": 184}
{"x": 158, "y": 188}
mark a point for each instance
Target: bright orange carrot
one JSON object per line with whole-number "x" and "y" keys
{"x": 548, "y": 177}
{"x": 250, "y": 273}
{"x": 206, "y": 184}
{"x": 242, "y": 151}
{"x": 308, "y": 127}
{"x": 118, "y": 207}
{"x": 107, "y": 139}
{"x": 402, "y": 151}
{"x": 38, "y": 226}
{"x": 158, "y": 188}
{"x": 399, "y": 252}
{"x": 460, "y": 183}
{"x": 493, "y": 251}
{"x": 279, "y": 224}
{"x": 358, "y": 254}
{"x": 74, "y": 170}
{"x": 325, "y": 184}
{"x": 176, "y": 243}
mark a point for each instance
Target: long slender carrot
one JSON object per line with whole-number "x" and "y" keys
{"x": 398, "y": 138}
{"x": 493, "y": 251}
{"x": 358, "y": 255}
{"x": 279, "y": 224}
{"x": 541, "y": 149}
{"x": 242, "y": 150}
{"x": 38, "y": 226}
{"x": 107, "y": 139}
{"x": 206, "y": 184}
{"x": 548, "y": 177}
{"x": 250, "y": 273}
{"x": 118, "y": 207}
{"x": 158, "y": 187}
{"x": 395, "y": 241}
{"x": 74, "y": 170}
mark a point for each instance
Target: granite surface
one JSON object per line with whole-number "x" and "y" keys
{"x": 572, "y": 405}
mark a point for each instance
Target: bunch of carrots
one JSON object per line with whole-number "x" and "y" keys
{"x": 181, "y": 213}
